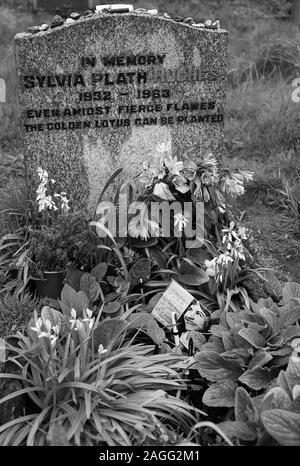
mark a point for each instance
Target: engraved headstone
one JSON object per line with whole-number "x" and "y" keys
{"x": 100, "y": 94}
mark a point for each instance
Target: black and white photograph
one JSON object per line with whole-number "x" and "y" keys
{"x": 149, "y": 228}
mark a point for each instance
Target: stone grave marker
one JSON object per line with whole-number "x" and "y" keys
{"x": 100, "y": 93}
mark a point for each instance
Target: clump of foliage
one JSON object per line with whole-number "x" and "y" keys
{"x": 91, "y": 385}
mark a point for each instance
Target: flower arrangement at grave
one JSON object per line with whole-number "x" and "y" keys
{"x": 110, "y": 306}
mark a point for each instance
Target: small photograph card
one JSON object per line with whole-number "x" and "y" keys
{"x": 175, "y": 299}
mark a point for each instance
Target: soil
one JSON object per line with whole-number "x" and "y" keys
{"x": 276, "y": 235}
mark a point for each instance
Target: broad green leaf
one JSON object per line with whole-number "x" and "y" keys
{"x": 197, "y": 255}
{"x": 295, "y": 407}
{"x": 285, "y": 351}
{"x": 221, "y": 393}
{"x": 273, "y": 282}
{"x": 256, "y": 378}
{"x": 99, "y": 271}
{"x": 276, "y": 398}
{"x": 154, "y": 300}
{"x": 139, "y": 320}
{"x": 107, "y": 332}
{"x": 90, "y": 287}
{"x": 283, "y": 425}
{"x": 72, "y": 299}
{"x": 244, "y": 407}
{"x": 290, "y": 317}
{"x": 233, "y": 319}
{"x": 253, "y": 337}
{"x": 73, "y": 278}
{"x": 259, "y": 359}
{"x": 155, "y": 332}
{"x": 237, "y": 429}
{"x": 198, "y": 339}
{"x": 214, "y": 367}
{"x": 289, "y": 291}
{"x": 55, "y": 317}
{"x": 192, "y": 275}
{"x": 111, "y": 308}
{"x": 218, "y": 330}
{"x": 283, "y": 382}
{"x": 140, "y": 272}
{"x": 240, "y": 354}
{"x": 228, "y": 341}
{"x": 68, "y": 296}
{"x": 162, "y": 191}
{"x": 291, "y": 332}
{"x": 270, "y": 317}
{"x": 293, "y": 371}
{"x": 296, "y": 391}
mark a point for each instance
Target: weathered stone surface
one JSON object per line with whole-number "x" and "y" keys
{"x": 75, "y": 15}
{"x": 56, "y": 21}
{"x": 101, "y": 93}
{"x": 34, "y": 29}
{"x": 44, "y": 27}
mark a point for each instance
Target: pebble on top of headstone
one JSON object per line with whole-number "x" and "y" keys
{"x": 102, "y": 93}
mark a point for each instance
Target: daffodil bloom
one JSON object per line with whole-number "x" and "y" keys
{"x": 141, "y": 226}
{"x": 64, "y": 201}
{"x": 180, "y": 184}
{"x": 76, "y": 324}
{"x": 224, "y": 259}
{"x": 181, "y": 221}
{"x": 101, "y": 350}
{"x": 211, "y": 267}
{"x": 89, "y": 318}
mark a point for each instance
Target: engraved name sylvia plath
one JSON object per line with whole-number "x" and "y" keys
{"x": 100, "y": 96}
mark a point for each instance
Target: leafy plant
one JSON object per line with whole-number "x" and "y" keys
{"x": 274, "y": 417}
{"x": 120, "y": 394}
{"x": 249, "y": 347}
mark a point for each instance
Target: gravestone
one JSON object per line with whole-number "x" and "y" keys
{"x": 100, "y": 94}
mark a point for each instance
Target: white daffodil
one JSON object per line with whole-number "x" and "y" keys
{"x": 64, "y": 201}
{"x": 101, "y": 350}
{"x": 181, "y": 221}
{"x": 224, "y": 259}
{"x": 89, "y": 318}
{"x": 211, "y": 267}
{"x": 38, "y": 325}
{"x": 74, "y": 321}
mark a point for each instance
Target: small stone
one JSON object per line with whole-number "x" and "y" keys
{"x": 208, "y": 23}
{"x": 87, "y": 13}
{"x": 199, "y": 25}
{"x": 121, "y": 8}
{"x": 189, "y": 20}
{"x": 56, "y": 21}
{"x": 44, "y": 27}
{"x": 75, "y": 15}
{"x": 179, "y": 19}
{"x": 34, "y": 29}
{"x": 100, "y": 8}
{"x": 166, "y": 15}
{"x": 152, "y": 12}
{"x": 70, "y": 21}
{"x": 216, "y": 25}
